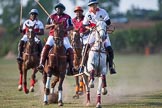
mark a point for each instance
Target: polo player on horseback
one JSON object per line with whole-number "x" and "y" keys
{"x": 94, "y": 14}
{"x": 38, "y": 29}
{"x": 58, "y": 17}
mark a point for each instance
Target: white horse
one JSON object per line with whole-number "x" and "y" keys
{"x": 96, "y": 64}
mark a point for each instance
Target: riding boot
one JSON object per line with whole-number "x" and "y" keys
{"x": 20, "y": 51}
{"x": 70, "y": 58}
{"x": 40, "y": 47}
{"x": 43, "y": 58}
{"x": 110, "y": 58}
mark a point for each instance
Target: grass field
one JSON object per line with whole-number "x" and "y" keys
{"x": 138, "y": 84}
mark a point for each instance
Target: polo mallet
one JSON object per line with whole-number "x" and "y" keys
{"x": 82, "y": 61}
{"x": 37, "y": 1}
{"x": 21, "y": 11}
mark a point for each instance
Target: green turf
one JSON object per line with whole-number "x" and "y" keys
{"x": 138, "y": 84}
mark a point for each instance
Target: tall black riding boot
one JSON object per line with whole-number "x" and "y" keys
{"x": 110, "y": 58}
{"x": 70, "y": 61}
{"x": 43, "y": 58}
{"x": 40, "y": 47}
{"x": 20, "y": 51}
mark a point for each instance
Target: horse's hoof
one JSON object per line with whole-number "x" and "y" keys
{"x": 31, "y": 89}
{"x": 88, "y": 103}
{"x": 47, "y": 91}
{"x": 98, "y": 105}
{"x": 26, "y": 91}
{"x": 104, "y": 91}
{"x": 20, "y": 87}
{"x": 60, "y": 103}
{"x": 76, "y": 96}
{"x": 45, "y": 103}
{"x": 91, "y": 85}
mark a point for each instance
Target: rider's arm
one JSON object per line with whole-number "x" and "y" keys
{"x": 49, "y": 24}
{"x": 70, "y": 25}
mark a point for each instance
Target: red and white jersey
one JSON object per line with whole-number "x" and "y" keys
{"x": 66, "y": 19}
{"x": 92, "y": 18}
{"x": 78, "y": 24}
{"x": 38, "y": 25}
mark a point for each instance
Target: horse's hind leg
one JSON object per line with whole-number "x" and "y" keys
{"x": 77, "y": 87}
{"x": 20, "y": 77}
{"x": 53, "y": 84}
{"x": 91, "y": 83}
{"x": 33, "y": 80}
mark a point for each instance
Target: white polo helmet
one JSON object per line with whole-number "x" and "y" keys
{"x": 34, "y": 11}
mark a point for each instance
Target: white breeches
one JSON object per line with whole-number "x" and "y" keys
{"x": 25, "y": 38}
{"x": 50, "y": 41}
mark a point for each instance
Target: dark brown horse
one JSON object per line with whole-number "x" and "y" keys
{"x": 77, "y": 44}
{"x": 56, "y": 65}
{"x": 30, "y": 61}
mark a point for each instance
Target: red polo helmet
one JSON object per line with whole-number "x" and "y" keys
{"x": 78, "y": 8}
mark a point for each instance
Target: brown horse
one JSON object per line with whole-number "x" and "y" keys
{"x": 30, "y": 61}
{"x": 77, "y": 45}
{"x": 56, "y": 65}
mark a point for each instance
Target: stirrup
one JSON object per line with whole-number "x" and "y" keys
{"x": 40, "y": 68}
{"x": 112, "y": 70}
{"x": 19, "y": 59}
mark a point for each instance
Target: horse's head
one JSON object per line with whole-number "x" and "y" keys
{"x": 58, "y": 34}
{"x": 30, "y": 33}
{"x": 101, "y": 29}
{"x": 75, "y": 37}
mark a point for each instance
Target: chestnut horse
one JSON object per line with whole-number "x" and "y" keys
{"x": 30, "y": 61}
{"x": 77, "y": 44}
{"x": 56, "y": 65}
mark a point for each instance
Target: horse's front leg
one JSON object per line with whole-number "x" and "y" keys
{"x": 61, "y": 79}
{"x": 104, "y": 85}
{"x": 86, "y": 82}
{"x": 98, "y": 105}
{"x": 47, "y": 86}
{"x": 25, "y": 81}
{"x": 33, "y": 80}
{"x": 20, "y": 77}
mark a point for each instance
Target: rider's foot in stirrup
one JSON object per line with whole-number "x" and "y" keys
{"x": 70, "y": 71}
{"x": 40, "y": 68}
{"x": 19, "y": 59}
{"x": 112, "y": 70}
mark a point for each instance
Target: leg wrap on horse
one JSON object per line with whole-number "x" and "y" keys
{"x": 20, "y": 51}
{"x": 70, "y": 60}
{"x": 110, "y": 58}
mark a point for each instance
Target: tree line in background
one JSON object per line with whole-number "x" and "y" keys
{"x": 11, "y": 21}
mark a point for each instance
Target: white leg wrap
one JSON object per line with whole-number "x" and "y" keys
{"x": 59, "y": 95}
{"x": 48, "y": 82}
{"x": 45, "y": 98}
